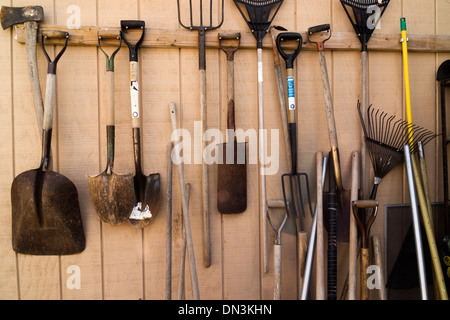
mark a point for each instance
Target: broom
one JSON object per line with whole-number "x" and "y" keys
{"x": 385, "y": 138}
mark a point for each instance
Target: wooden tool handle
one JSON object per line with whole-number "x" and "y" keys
{"x": 49, "y": 101}
{"x": 184, "y": 198}
{"x": 110, "y": 105}
{"x": 320, "y": 259}
{"x": 332, "y": 133}
{"x": 30, "y": 44}
{"x": 353, "y": 245}
{"x": 231, "y": 120}
{"x": 168, "y": 292}
{"x": 363, "y": 273}
{"x": 379, "y": 262}
{"x": 277, "y": 272}
{"x": 205, "y": 180}
{"x": 134, "y": 93}
{"x": 365, "y": 204}
{"x": 302, "y": 245}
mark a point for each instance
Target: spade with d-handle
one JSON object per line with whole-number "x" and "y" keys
{"x": 46, "y": 217}
{"x": 293, "y": 179}
{"x": 146, "y": 188}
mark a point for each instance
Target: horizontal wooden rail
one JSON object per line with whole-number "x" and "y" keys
{"x": 181, "y": 38}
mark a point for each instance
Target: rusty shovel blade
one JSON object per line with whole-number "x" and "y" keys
{"x": 113, "y": 196}
{"x": 147, "y": 190}
{"x": 46, "y": 218}
{"x": 232, "y": 178}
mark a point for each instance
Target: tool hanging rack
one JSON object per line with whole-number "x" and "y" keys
{"x": 342, "y": 41}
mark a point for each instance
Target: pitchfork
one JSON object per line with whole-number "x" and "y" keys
{"x": 202, "y": 27}
{"x": 294, "y": 178}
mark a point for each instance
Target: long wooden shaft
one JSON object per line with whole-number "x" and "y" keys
{"x": 187, "y": 221}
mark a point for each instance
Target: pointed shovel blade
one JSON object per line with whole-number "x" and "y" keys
{"x": 113, "y": 196}
{"x": 147, "y": 190}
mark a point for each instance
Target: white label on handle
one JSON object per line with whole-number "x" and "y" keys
{"x": 134, "y": 92}
{"x": 291, "y": 93}
{"x": 260, "y": 72}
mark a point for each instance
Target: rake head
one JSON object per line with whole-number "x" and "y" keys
{"x": 386, "y": 137}
{"x": 197, "y": 19}
{"x": 364, "y": 16}
{"x": 259, "y": 15}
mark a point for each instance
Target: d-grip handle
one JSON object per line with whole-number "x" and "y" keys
{"x": 50, "y": 91}
{"x": 126, "y": 25}
{"x": 319, "y": 28}
{"x": 289, "y": 57}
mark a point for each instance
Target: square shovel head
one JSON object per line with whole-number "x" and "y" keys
{"x": 232, "y": 178}
{"x": 59, "y": 230}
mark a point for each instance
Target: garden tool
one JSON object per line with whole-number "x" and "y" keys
{"x": 185, "y": 201}
{"x": 259, "y": 14}
{"x": 443, "y": 76}
{"x": 146, "y": 188}
{"x": 112, "y": 194}
{"x": 364, "y": 224}
{"x": 315, "y": 238}
{"x": 202, "y": 26}
{"x": 364, "y": 16}
{"x": 46, "y": 217}
{"x": 232, "y": 171}
{"x": 416, "y": 224}
{"x": 30, "y": 16}
{"x": 420, "y": 192}
{"x": 319, "y": 35}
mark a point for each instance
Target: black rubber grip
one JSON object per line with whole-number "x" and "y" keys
{"x": 132, "y": 24}
{"x": 332, "y": 235}
{"x": 319, "y": 28}
{"x": 128, "y": 25}
{"x": 289, "y": 36}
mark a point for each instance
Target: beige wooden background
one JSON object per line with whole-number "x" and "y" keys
{"x": 123, "y": 262}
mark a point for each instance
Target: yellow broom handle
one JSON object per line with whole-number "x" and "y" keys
{"x": 425, "y": 215}
{"x": 404, "y": 41}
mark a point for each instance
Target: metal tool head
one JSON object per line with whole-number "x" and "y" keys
{"x": 197, "y": 19}
{"x": 112, "y": 196}
{"x": 386, "y": 136}
{"x": 147, "y": 191}
{"x": 46, "y": 218}
{"x": 232, "y": 178}
{"x": 298, "y": 184}
{"x": 10, "y": 16}
{"x": 364, "y": 16}
{"x": 259, "y": 15}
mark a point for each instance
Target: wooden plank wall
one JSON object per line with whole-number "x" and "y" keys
{"x": 122, "y": 262}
